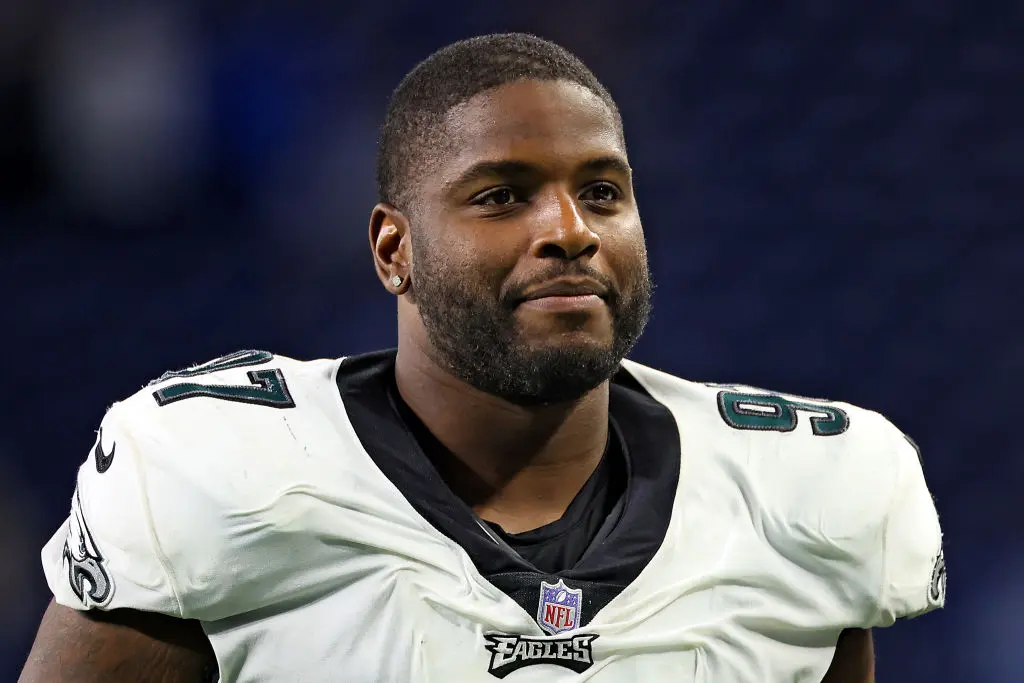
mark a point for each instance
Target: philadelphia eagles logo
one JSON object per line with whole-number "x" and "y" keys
{"x": 88, "y": 578}
{"x": 937, "y": 590}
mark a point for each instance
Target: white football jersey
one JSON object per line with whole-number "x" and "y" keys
{"x": 284, "y": 505}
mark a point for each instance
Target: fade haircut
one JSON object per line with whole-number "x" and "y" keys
{"x": 411, "y": 136}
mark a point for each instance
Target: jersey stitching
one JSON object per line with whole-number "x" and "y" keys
{"x": 883, "y": 593}
{"x": 150, "y": 525}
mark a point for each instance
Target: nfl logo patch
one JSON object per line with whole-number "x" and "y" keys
{"x": 559, "y": 608}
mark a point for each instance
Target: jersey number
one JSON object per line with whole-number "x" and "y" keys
{"x": 265, "y": 388}
{"x": 773, "y": 413}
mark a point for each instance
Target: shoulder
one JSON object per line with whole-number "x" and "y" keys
{"x": 835, "y": 487}
{"x": 225, "y": 429}
{"x": 786, "y": 438}
{"x": 179, "y": 468}
{"x": 234, "y": 398}
{"x": 206, "y": 422}
{"x": 244, "y": 378}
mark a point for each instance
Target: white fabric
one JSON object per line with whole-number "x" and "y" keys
{"x": 304, "y": 562}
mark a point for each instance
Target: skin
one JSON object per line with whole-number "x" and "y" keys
{"x": 518, "y": 463}
{"x": 118, "y": 647}
{"x": 521, "y": 466}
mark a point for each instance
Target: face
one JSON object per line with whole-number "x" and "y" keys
{"x": 529, "y": 270}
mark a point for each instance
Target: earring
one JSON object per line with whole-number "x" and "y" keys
{"x": 396, "y": 280}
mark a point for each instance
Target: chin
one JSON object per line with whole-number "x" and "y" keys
{"x": 556, "y": 369}
{"x": 591, "y": 333}
{"x": 574, "y": 343}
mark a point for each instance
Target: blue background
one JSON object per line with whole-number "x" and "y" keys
{"x": 831, "y": 191}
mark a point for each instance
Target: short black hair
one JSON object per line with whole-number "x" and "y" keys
{"x": 409, "y": 137}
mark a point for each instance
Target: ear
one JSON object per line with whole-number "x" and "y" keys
{"x": 391, "y": 246}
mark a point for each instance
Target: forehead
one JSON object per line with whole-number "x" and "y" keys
{"x": 548, "y": 123}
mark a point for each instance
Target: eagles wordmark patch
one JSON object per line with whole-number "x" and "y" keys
{"x": 513, "y": 652}
{"x": 89, "y": 580}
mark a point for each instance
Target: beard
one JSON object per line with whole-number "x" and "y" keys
{"x": 477, "y": 338}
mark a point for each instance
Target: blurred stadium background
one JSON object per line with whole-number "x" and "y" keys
{"x": 832, "y": 193}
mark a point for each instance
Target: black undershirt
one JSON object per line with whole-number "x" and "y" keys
{"x": 644, "y": 464}
{"x": 558, "y": 545}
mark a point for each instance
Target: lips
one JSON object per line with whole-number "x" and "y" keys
{"x": 573, "y": 296}
{"x": 567, "y": 288}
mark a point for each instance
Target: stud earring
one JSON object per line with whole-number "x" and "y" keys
{"x": 396, "y": 280}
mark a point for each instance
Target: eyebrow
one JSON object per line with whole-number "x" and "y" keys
{"x": 510, "y": 168}
{"x": 607, "y": 163}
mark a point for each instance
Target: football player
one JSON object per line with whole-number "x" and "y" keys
{"x": 503, "y": 496}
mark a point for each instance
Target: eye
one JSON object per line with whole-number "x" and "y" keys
{"x": 501, "y": 196}
{"x": 601, "y": 192}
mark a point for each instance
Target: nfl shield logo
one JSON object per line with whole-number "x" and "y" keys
{"x": 559, "y": 608}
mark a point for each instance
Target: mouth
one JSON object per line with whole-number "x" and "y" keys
{"x": 566, "y": 295}
{"x": 565, "y": 303}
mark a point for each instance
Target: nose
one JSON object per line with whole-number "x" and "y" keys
{"x": 563, "y": 232}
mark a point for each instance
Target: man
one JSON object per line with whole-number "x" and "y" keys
{"x": 504, "y": 496}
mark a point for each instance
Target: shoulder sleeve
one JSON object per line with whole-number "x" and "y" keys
{"x": 913, "y": 565}
{"x": 141, "y": 533}
{"x": 106, "y": 555}
{"x": 186, "y": 507}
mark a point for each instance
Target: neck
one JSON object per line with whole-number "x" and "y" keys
{"x": 517, "y": 466}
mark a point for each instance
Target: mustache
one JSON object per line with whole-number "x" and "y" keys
{"x": 516, "y": 293}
